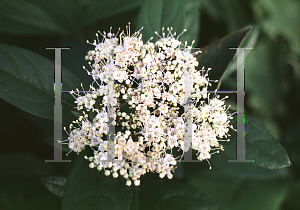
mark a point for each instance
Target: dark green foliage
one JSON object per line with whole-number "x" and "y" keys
{"x": 260, "y": 146}
{"x": 272, "y": 95}
{"x": 217, "y": 56}
{"x": 91, "y": 189}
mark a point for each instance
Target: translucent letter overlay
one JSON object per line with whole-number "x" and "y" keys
{"x": 57, "y": 107}
{"x": 110, "y": 107}
{"x": 188, "y": 132}
{"x": 240, "y": 143}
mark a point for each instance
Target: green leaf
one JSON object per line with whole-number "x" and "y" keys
{"x": 45, "y": 201}
{"x": 292, "y": 143}
{"x": 55, "y": 184}
{"x": 101, "y": 9}
{"x": 26, "y": 81}
{"x": 77, "y": 114}
{"x": 245, "y": 171}
{"x": 20, "y": 172}
{"x": 180, "y": 196}
{"x": 156, "y": 14}
{"x": 267, "y": 81}
{"x": 217, "y": 55}
{"x": 88, "y": 188}
{"x": 234, "y": 13}
{"x": 260, "y": 146}
{"x": 28, "y": 165}
{"x": 28, "y": 17}
{"x": 275, "y": 24}
{"x": 68, "y": 14}
{"x": 238, "y": 192}
{"x": 292, "y": 201}
{"x": 249, "y": 41}
{"x": 160, "y": 194}
{"x": 192, "y": 21}
{"x": 211, "y": 8}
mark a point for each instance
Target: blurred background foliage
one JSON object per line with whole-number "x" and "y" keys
{"x": 272, "y": 78}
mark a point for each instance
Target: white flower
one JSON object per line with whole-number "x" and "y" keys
{"x": 149, "y": 80}
{"x": 128, "y": 182}
{"x": 137, "y": 182}
{"x": 107, "y": 172}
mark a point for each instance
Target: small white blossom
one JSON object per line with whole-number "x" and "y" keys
{"x": 149, "y": 79}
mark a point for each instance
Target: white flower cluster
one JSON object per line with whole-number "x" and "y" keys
{"x": 156, "y": 102}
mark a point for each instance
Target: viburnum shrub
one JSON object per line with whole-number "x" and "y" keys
{"x": 146, "y": 101}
